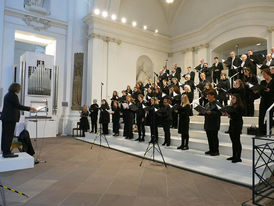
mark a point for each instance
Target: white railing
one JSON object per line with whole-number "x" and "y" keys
{"x": 268, "y": 123}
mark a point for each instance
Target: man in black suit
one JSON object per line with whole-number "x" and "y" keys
{"x": 254, "y": 59}
{"x": 217, "y": 68}
{"x": 268, "y": 62}
{"x": 178, "y": 71}
{"x": 233, "y": 62}
{"x": 272, "y": 52}
{"x": 208, "y": 72}
{"x": 247, "y": 63}
{"x": 190, "y": 73}
{"x": 11, "y": 115}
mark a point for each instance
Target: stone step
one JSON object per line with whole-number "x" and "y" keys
{"x": 200, "y": 143}
{"x": 192, "y": 159}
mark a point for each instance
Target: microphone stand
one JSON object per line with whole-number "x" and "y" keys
{"x": 99, "y": 132}
{"x": 154, "y": 142}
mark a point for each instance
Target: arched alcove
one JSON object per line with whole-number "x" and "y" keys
{"x": 240, "y": 46}
{"x": 144, "y": 68}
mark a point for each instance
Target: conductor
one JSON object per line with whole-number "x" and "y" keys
{"x": 11, "y": 115}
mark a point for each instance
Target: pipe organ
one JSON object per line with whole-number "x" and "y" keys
{"x": 39, "y": 80}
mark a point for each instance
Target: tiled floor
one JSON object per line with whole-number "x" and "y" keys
{"x": 75, "y": 175}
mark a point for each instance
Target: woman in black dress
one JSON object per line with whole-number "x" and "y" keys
{"x": 235, "y": 112}
{"x": 152, "y": 119}
{"x": 129, "y": 112}
{"x": 184, "y": 111}
{"x": 267, "y": 99}
{"x": 93, "y": 113}
{"x": 222, "y": 87}
{"x": 104, "y": 116}
{"x": 249, "y": 80}
{"x": 239, "y": 88}
{"x": 116, "y": 118}
{"x": 84, "y": 124}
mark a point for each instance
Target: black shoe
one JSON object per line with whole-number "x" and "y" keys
{"x": 215, "y": 154}
{"x": 167, "y": 144}
{"x": 180, "y": 147}
{"x": 143, "y": 139}
{"x": 164, "y": 144}
{"x": 151, "y": 141}
{"x": 230, "y": 158}
{"x": 138, "y": 139}
{"x": 10, "y": 155}
{"x": 208, "y": 153}
{"x": 91, "y": 132}
{"x": 185, "y": 148}
{"x": 227, "y": 131}
{"x": 236, "y": 160}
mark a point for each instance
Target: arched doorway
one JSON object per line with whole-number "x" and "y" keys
{"x": 241, "y": 46}
{"x": 144, "y": 68}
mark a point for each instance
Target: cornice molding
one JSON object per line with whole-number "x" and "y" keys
{"x": 127, "y": 34}
{"x": 50, "y": 22}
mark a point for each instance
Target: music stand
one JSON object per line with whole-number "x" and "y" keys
{"x": 153, "y": 142}
{"x": 99, "y": 132}
{"x": 37, "y": 160}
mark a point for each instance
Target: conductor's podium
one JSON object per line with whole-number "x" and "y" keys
{"x": 23, "y": 161}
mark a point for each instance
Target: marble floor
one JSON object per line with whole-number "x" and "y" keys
{"x": 75, "y": 175}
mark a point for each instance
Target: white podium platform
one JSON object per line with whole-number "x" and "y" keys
{"x": 23, "y": 161}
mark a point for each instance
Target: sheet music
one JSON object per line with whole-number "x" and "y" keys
{"x": 163, "y": 94}
{"x": 155, "y": 109}
{"x": 175, "y": 94}
{"x": 143, "y": 106}
{"x": 250, "y": 85}
{"x": 125, "y": 105}
{"x": 110, "y": 111}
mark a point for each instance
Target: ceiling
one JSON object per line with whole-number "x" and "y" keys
{"x": 170, "y": 10}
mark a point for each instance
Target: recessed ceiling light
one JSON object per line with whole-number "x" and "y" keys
{"x": 156, "y": 31}
{"x": 169, "y": 1}
{"x": 105, "y": 14}
{"x": 259, "y": 44}
{"x": 124, "y": 20}
{"x": 113, "y": 17}
{"x": 96, "y": 11}
{"x": 145, "y": 27}
{"x": 134, "y": 23}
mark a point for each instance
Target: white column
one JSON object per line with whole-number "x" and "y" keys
{"x": 112, "y": 83}
{"x": 97, "y": 69}
{"x": 2, "y": 7}
{"x": 270, "y": 42}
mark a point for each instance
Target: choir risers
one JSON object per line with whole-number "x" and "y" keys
{"x": 198, "y": 142}
{"x": 192, "y": 159}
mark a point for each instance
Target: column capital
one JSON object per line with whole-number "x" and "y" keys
{"x": 270, "y": 28}
{"x": 104, "y": 38}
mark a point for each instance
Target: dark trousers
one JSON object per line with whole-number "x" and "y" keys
{"x": 216, "y": 77}
{"x": 116, "y": 126}
{"x": 154, "y": 132}
{"x": 249, "y": 107}
{"x": 262, "y": 125}
{"x": 235, "y": 135}
{"x": 213, "y": 141}
{"x": 166, "y": 128}
{"x": 7, "y": 136}
{"x": 174, "y": 119}
{"x": 128, "y": 129}
{"x": 141, "y": 129}
{"x": 185, "y": 137}
{"x": 94, "y": 125}
{"x": 105, "y": 128}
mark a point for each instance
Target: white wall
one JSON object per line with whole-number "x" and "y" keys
{"x": 194, "y": 14}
